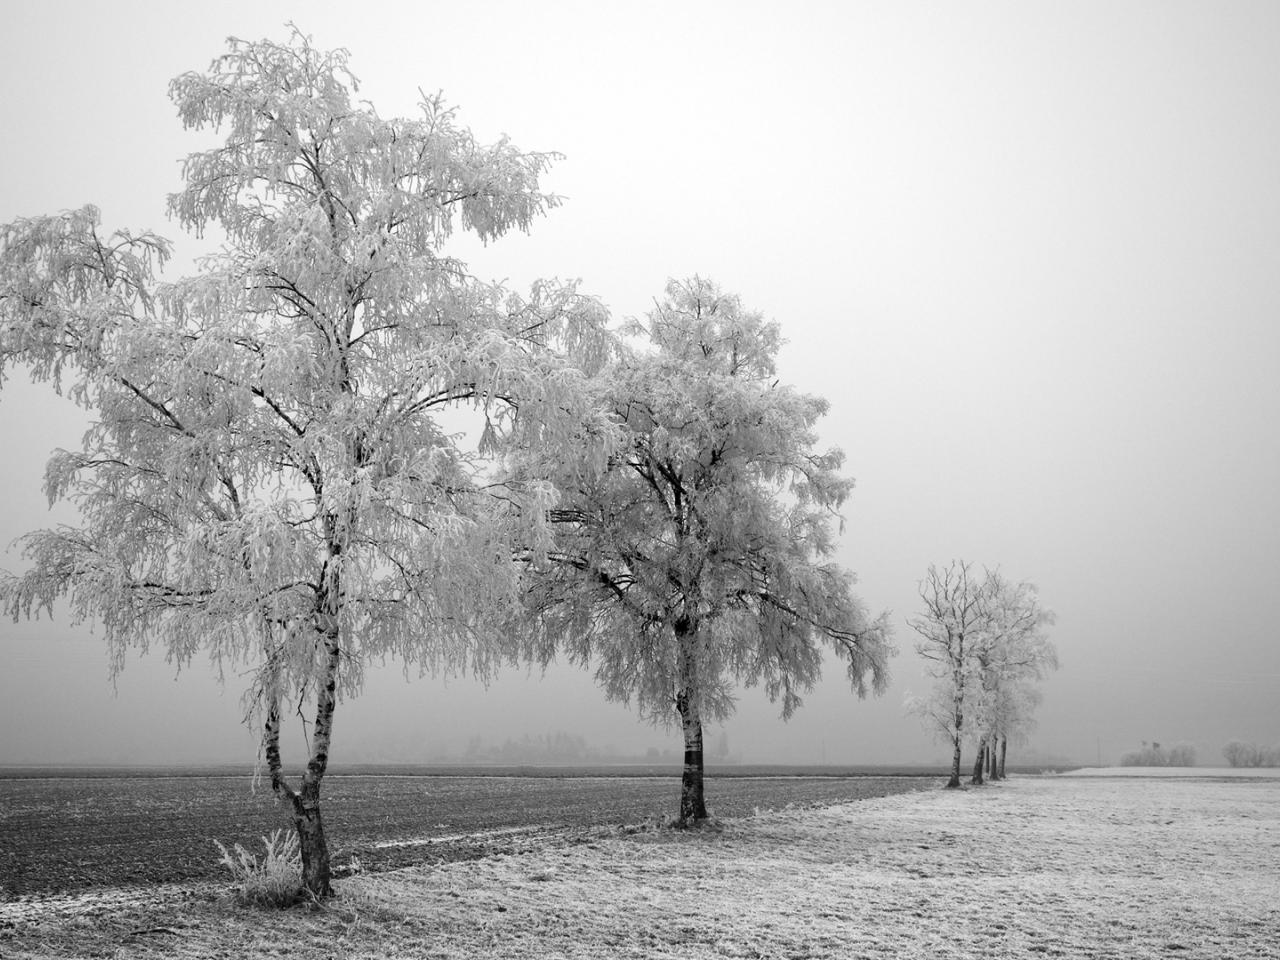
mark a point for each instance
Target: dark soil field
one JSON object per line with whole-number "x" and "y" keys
{"x": 65, "y": 833}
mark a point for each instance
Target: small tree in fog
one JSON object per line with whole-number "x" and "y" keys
{"x": 267, "y": 480}
{"x": 702, "y": 556}
{"x": 1240, "y": 754}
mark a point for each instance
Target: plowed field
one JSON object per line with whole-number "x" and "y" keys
{"x": 67, "y": 834}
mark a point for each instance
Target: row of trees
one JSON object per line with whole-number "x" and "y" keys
{"x": 268, "y": 481}
{"x": 984, "y": 642}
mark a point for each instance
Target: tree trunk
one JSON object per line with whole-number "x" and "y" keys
{"x": 304, "y": 808}
{"x": 693, "y": 805}
{"x": 316, "y": 875}
{"x": 957, "y": 715}
{"x": 979, "y": 762}
{"x": 305, "y": 801}
{"x": 991, "y": 759}
{"x": 954, "y": 782}
{"x": 1004, "y": 748}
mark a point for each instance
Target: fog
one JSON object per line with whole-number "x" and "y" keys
{"x": 1028, "y": 252}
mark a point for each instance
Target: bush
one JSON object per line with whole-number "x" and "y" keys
{"x": 274, "y": 881}
{"x": 1152, "y": 755}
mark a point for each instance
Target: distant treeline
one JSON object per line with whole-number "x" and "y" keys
{"x": 1154, "y": 755}
{"x": 562, "y": 747}
{"x": 1238, "y": 753}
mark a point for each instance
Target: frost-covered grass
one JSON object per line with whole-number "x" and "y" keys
{"x": 1054, "y": 866}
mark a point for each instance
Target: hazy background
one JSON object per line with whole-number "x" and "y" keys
{"x": 1029, "y": 252}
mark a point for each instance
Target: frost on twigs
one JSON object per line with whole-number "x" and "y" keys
{"x": 275, "y": 880}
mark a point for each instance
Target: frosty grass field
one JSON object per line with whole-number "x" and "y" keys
{"x": 1035, "y": 866}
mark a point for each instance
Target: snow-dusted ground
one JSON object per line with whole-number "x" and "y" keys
{"x": 1054, "y": 866}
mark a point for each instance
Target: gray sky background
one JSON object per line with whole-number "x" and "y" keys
{"x": 1030, "y": 252}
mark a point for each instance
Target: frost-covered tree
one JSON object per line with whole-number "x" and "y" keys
{"x": 982, "y": 639}
{"x": 952, "y": 624}
{"x": 267, "y": 479}
{"x": 701, "y": 557}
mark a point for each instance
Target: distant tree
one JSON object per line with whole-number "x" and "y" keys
{"x": 1182, "y": 755}
{"x": 1240, "y": 754}
{"x": 701, "y": 556}
{"x": 1148, "y": 756}
{"x": 983, "y": 642}
{"x": 267, "y": 480}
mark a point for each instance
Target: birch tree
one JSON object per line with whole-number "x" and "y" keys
{"x": 951, "y": 626}
{"x": 267, "y": 479}
{"x": 701, "y": 556}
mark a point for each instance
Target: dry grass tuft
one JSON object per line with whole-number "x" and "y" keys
{"x": 275, "y": 880}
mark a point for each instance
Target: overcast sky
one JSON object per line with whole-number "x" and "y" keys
{"x": 1029, "y": 252}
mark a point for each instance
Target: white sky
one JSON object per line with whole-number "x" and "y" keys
{"x": 1028, "y": 251}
